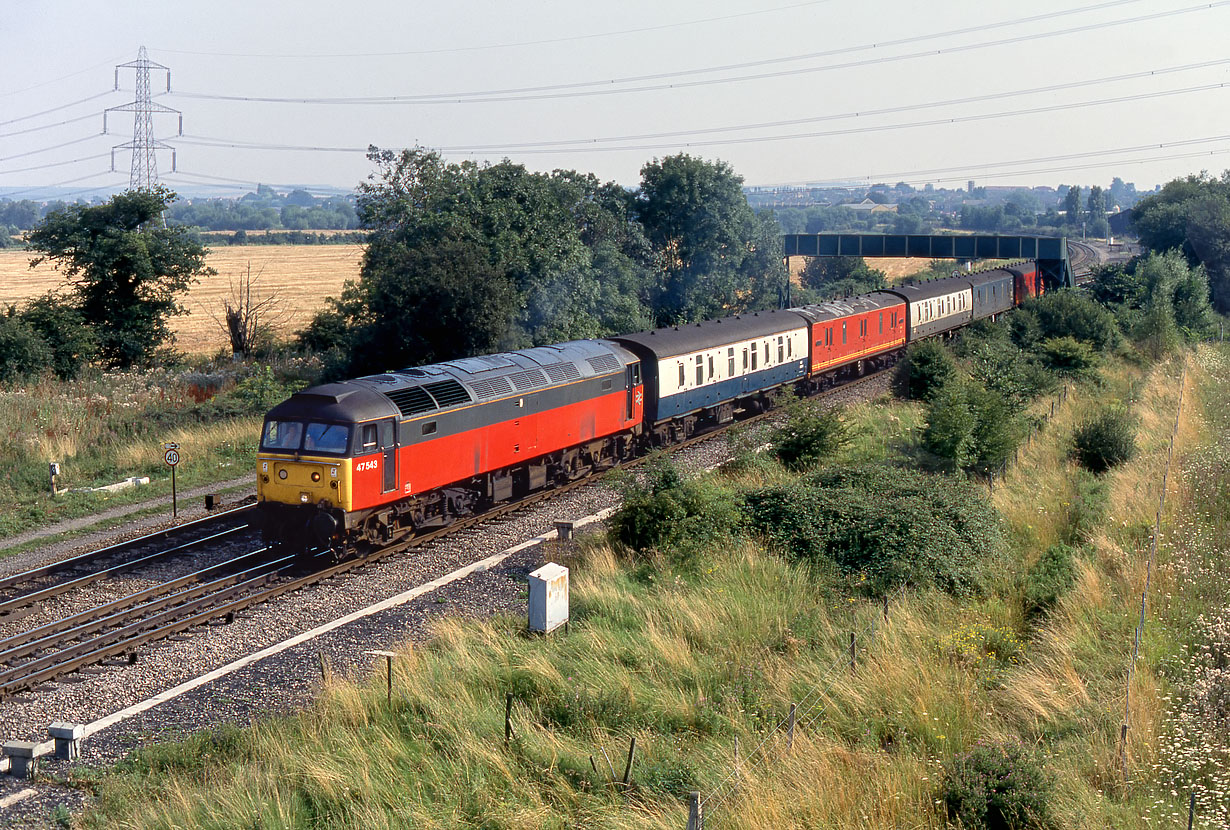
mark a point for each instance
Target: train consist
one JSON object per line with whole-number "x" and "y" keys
{"x": 374, "y": 459}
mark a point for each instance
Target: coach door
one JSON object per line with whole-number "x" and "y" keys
{"x": 388, "y": 446}
{"x": 634, "y": 380}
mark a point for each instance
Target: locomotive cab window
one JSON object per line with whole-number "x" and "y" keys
{"x": 282, "y": 435}
{"x": 326, "y": 438}
{"x": 429, "y": 428}
{"x": 369, "y": 437}
{"x": 636, "y": 374}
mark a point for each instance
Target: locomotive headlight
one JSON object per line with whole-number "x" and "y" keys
{"x": 281, "y": 474}
{"x": 264, "y": 479}
{"x": 303, "y": 498}
{"x": 315, "y": 476}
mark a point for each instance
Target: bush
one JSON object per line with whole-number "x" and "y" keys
{"x": 1068, "y": 356}
{"x": 667, "y": 514}
{"x": 923, "y": 371}
{"x": 883, "y": 526}
{"x": 1071, "y": 313}
{"x": 23, "y": 351}
{"x": 809, "y": 435}
{"x": 971, "y": 426}
{"x": 997, "y": 785}
{"x": 1104, "y": 441}
{"x": 1002, "y": 367}
{"x": 1052, "y": 576}
{"x": 72, "y": 342}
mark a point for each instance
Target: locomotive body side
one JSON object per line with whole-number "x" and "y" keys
{"x": 414, "y": 447}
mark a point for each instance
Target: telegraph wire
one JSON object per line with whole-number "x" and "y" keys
{"x": 48, "y": 149}
{"x": 55, "y": 164}
{"x": 576, "y": 89}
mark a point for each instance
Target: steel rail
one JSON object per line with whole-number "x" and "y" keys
{"x": 23, "y": 600}
{"x": 73, "y": 562}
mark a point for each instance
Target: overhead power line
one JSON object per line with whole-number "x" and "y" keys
{"x": 87, "y": 99}
{"x": 609, "y": 86}
{"x": 592, "y": 145}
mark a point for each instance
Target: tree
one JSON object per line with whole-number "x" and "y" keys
{"x": 840, "y": 276}
{"x": 716, "y": 256}
{"x": 1072, "y": 205}
{"x": 127, "y": 271}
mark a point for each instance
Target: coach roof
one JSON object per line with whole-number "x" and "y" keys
{"x": 677, "y": 340}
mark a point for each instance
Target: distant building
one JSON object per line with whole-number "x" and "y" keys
{"x": 868, "y": 206}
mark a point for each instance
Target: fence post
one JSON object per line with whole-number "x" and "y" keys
{"x": 852, "y": 663}
{"x": 508, "y": 730}
{"x": 1191, "y": 809}
{"x": 695, "y": 821}
{"x": 628, "y": 768}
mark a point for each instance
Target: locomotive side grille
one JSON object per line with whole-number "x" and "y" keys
{"x": 411, "y": 400}
{"x": 604, "y": 363}
{"x": 562, "y": 372}
{"x": 529, "y": 379}
{"x": 448, "y": 392}
{"x": 491, "y": 388}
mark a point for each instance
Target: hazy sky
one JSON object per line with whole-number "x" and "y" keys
{"x": 785, "y": 91}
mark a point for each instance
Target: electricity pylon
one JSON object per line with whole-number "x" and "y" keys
{"x": 143, "y": 145}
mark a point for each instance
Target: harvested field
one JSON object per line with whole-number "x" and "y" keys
{"x": 895, "y": 268}
{"x": 301, "y": 276}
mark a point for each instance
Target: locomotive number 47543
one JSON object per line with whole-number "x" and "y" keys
{"x": 367, "y": 465}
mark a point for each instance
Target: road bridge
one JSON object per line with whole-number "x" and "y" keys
{"x": 1051, "y": 252}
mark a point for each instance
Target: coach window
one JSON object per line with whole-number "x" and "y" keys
{"x": 781, "y": 351}
{"x": 681, "y": 378}
{"x": 766, "y": 352}
{"x": 843, "y": 332}
{"x": 730, "y": 360}
{"x": 745, "y": 358}
{"x": 429, "y": 428}
{"x": 369, "y": 437}
{"x": 881, "y": 322}
{"x": 755, "y": 356}
{"x": 700, "y": 370}
{"x": 710, "y": 367}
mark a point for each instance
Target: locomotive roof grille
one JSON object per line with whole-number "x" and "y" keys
{"x": 412, "y": 400}
{"x": 491, "y": 387}
{"x": 604, "y": 363}
{"x": 529, "y": 379}
{"x": 562, "y": 372}
{"x": 448, "y": 393}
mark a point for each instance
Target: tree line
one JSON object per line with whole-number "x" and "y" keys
{"x": 467, "y": 259}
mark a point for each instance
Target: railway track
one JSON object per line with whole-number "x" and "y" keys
{"x": 122, "y": 627}
{"x": 22, "y": 590}
{"x": 1081, "y": 259}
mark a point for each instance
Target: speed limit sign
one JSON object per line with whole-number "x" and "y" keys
{"x": 171, "y": 457}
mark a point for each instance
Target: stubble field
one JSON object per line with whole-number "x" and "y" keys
{"x": 300, "y": 276}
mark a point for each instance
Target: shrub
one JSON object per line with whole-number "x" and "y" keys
{"x": 1068, "y": 356}
{"x": 667, "y": 514}
{"x": 925, "y": 368}
{"x": 971, "y": 426}
{"x": 1052, "y": 576}
{"x": 1002, "y": 367}
{"x": 997, "y": 785}
{"x": 1104, "y": 441}
{"x": 73, "y": 344}
{"x": 23, "y": 351}
{"x": 809, "y": 435}
{"x": 883, "y": 526}
{"x": 1070, "y": 313}
{"x": 988, "y": 651}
